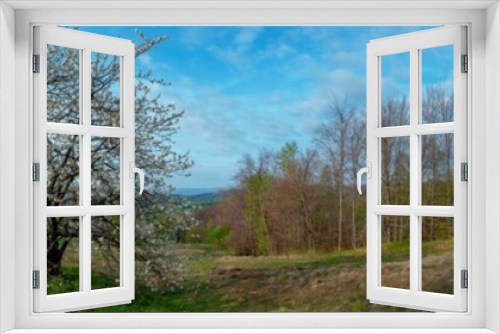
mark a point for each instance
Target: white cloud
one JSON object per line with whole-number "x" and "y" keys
{"x": 341, "y": 84}
{"x": 234, "y": 56}
{"x": 145, "y": 59}
{"x": 348, "y": 58}
{"x": 390, "y": 87}
{"x": 247, "y": 35}
{"x": 346, "y": 83}
{"x": 193, "y": 37}
{"x": 241, "y": 53}
{"x": 236, "y": 53}
{"x": 277, "y": 50}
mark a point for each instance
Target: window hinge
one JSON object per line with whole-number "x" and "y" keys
{"x": 36, "y": 279}
{"x": 36, "y": 172}
{"x": 465, "y": 64}
{"x": 465, "y": 279}
{"x": 464, "y": 171}
{"x": 36, "y": 63}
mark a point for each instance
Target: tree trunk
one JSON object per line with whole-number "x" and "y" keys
{"x": 340, "y": 216}
{"x": 354, "y": 221}
{"x": 54, "y": 259}
{"x": 55, "y": 254}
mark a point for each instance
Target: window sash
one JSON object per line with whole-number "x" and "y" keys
{"x": 413, "y": 43}
{"x": 86, "y": 43}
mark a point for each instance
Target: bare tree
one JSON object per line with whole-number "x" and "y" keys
{"x": 357, "y": 150}
{"x": 332, "y": 139}
{"x": 395, "y": 187}
{"x": 437, "y": 152}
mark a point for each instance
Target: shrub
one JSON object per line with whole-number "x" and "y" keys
{"x": 218, "y": 235}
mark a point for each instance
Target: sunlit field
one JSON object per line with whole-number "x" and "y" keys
{"x": 311, "y": 282}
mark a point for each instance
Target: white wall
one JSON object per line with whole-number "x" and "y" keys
{"x": 7, "y": 162}
{"x": 492, "y": 149}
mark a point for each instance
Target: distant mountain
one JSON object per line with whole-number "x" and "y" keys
{"x": 198, "y": 196}
{"x": 189, "y": 192}
{"x": 206, "y": 198}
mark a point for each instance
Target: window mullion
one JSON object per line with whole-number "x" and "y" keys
{"x": 86, "y": 180}
{"x": 81, "y": 233}
{"x": 414, "y": 171}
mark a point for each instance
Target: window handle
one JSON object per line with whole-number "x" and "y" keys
{"x": 368, "y": 171}
{"x": 139, "y": 171}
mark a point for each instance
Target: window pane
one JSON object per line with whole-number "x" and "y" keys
{"x": 63, "y": 169}
{"x": 395, "y": 235}
{"x": 437, "y": 254}
{"x": 395, "y": 171}
{"x": 63, "y": 84}
{"x": 63, "y": 255}
{"x": 105, "y": 252}
{"x": 105, "y": 171}
{"x": 437, "y": 169}
{"x": 395, "y": 89}
{"x": 437, "y": 84}
{"x": 105, "y": 101}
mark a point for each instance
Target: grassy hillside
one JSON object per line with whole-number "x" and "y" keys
{"x": 205, "y": 199}
{"x": 219, "y": 282}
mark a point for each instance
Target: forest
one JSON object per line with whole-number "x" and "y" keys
{"x": 281, "y": 238}
{"x": 303, "y": 200}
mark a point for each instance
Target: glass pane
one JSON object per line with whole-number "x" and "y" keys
{"x": 63, "y": 255}
{"x": 105, "y": 259}
{"x": 395, "y": 89}
{"x": 437, "y": 84}
{"x": 105, "y": 99}
{"x": 63, "y": 169}
{"x": 105, "y": 171}
{"x": 63, "y": 84}
{"x": 395, "y": 170}
{"x": 395, "y": 234}
{"x": 437, "y": 169}
{"x": 437, "y": 254}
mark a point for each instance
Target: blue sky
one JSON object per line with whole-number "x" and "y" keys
{"x": 247, "y": 88}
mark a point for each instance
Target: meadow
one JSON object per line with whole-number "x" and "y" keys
{"x": 307, "y": 282}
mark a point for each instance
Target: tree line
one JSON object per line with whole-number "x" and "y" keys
{"x": 305, "y": 199}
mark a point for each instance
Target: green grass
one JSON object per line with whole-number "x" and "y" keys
{"x": 304, "y": 282}
{"x": 67, "y": 281}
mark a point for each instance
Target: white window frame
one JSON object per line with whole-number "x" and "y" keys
{"x": 86, "y": 43}
{"x": 413, "y": 44}
{"x": 483, "y": 314}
